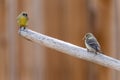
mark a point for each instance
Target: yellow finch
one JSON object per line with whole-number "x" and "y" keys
{"x": 22, "y": 20}
{"x": 91, "y": 43}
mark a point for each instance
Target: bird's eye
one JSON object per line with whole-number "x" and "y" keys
{"x": 24, "y": 14}
{"x": 87, "y": 35}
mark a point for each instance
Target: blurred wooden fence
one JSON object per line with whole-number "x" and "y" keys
{"x": 67, "y": 20}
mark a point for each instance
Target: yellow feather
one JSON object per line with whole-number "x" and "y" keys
{"x": 22, "y": 20}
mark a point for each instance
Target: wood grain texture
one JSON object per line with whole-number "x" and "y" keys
{"x": 67, "y": 20}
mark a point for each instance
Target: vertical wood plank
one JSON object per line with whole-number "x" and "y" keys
{"x": 32, "y": 55}
{"x": 54, "y": 68}
{"x": 39, "y": 54}
{"x": 61, "y": 18}
{"x": 117, "y": 32}
{"x": 76, "y": 25}
{"x": 3, "y": 42}
{"x": 27, "y": 48}
{"x": 105, "y": 33}
{"x": 11, "y": 37}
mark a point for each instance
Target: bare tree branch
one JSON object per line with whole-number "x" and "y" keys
{"x": 70, "y": 49}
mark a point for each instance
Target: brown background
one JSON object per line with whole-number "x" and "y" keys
{"x": 67, "y": 20}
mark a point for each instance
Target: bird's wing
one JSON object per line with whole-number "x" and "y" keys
{"x": 94, "y": 44}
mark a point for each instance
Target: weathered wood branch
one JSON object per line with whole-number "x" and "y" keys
{"x": 70, "y": 49}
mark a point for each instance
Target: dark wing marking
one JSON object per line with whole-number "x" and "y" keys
{"x": 94, "y": 44}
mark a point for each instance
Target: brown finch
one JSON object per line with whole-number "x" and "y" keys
{"x": 91, "y": 43}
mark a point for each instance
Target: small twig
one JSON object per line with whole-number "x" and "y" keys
{"x": 70, "y": 49}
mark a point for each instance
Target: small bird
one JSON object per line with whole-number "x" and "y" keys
{"x": 91, "y": 43}
{"x": 22, "y": 20}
